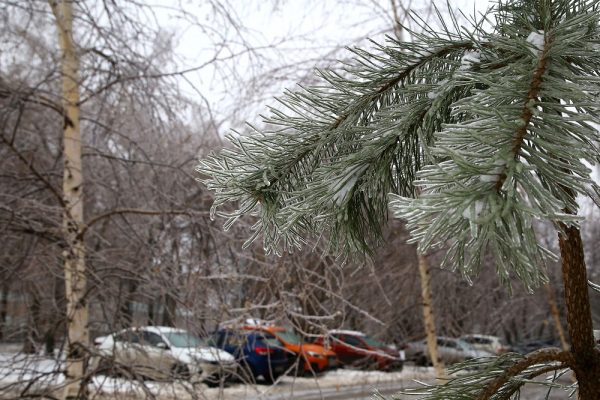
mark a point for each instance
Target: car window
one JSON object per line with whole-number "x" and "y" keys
{"x": 290, "y": 336}
{"x": 183, "y": 339}
{"x": 447, "y": 343}
{"x": 353, "y": 341}
{"x": 234, "y": 339}
{"x": 373, "y": 342}
{"x": 127, "y": 337}
{"x": 151, "y": 338}
{"x": 269, "y": 339}
{"x": 464, "y": 345}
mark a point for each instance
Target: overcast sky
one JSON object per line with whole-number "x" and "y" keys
{"x": 265, "y": 46}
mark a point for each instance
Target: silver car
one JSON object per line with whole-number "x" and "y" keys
{"x": 162, "y": 353}
{"x": 450, "y": 350}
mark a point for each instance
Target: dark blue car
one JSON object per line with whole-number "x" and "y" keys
{"x": 260, "y": 354}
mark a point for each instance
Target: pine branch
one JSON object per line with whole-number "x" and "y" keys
{"x": 494, "y": 378}
{"x": 536, "y": 357}
{"x": 333, "y": 177}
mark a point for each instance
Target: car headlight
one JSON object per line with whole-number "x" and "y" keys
{"x": 314, "y": 354}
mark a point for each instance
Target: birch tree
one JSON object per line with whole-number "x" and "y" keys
{"x": 490, "y": 124}
{"x": 74, "y": 254}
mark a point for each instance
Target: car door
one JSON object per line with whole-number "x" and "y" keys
{"x": 337, "y": 345}
{"x": 356, "y": 349}
{"x": 155, "y": 355}
{"x": 126, "y": 351}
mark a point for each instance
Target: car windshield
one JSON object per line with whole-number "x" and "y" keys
{"x": 269, "y": 340}
{"x": 289, "y": 336}
{"x": 183, "y": 339}
{"x": 373, "y": 342}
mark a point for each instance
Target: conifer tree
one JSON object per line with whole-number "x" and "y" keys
{"x": 470, "y": 135}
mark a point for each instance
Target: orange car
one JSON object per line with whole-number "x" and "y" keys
{"x": 316, "y": 357}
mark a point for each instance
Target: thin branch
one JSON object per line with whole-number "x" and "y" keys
{"x": 536, "y": 357}
{"x": 34, "y": 98}
{"x": 137, "y": 211}
{"x": 34, "y": 171}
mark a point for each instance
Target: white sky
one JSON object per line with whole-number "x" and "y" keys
{"x": 288, "y": 39}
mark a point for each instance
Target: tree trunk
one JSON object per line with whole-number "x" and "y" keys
{"x": 579, "y": 317}
{"x": 556, "y": 316}
{"x": 126, "y": 308}
{"x": 74, "y": 254}
{"x": 3, "y": 308}
{"x": 33, "y": 324}
{"x": 429, "y": 319}
{"x": 151, "y": 312}
{"x": 169, "y": 310}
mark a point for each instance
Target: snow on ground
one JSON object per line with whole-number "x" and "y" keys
{"x": 40, "y": 374}
{"x": 284, "y": 388}
{"x": 33, "y": 373}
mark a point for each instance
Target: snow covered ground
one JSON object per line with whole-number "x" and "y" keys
{"x": 37, "y": 374}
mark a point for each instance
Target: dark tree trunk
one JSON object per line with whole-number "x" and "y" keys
{"x": 151, "y": 313}
{"x": 3, "y": 309}
{"x": 170, "y": 308}
{"x": 579, "y": 317}
{"x": 33, "y": 336}
{"x": 126, "y": 308}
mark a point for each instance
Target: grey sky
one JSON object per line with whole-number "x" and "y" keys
{"x": 267, "y": 46}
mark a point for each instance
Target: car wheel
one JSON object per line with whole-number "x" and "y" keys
{"x": 271, "y": 377}
{"x": 180, "y": 371}
{"x": 422, "y": 361}
{"x": 246, "y": 374}
{"x": 214, "y": 381}
{"x": 104, "y": 366}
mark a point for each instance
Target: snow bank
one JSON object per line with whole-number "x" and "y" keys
{"x": 43, "y": 375}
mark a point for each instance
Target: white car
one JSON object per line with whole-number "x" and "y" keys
{"x": 159, "y": 352}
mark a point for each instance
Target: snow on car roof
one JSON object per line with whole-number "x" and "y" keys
{"x": 160, "y": 329}
{"x": 346, "y": 332}
{"x": 477, "y": 335}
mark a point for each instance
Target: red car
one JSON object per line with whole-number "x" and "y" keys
{"x": 356, "y": 349}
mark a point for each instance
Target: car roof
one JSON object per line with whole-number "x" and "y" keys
{"x": 155, "y": 329}
{"x": 241, "y": 331}
{"x": 477, "y": 335}
{"x": 347, "y": 332}
{"x": 265, "y": 328}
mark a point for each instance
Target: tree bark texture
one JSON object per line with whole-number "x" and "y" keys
{"x": 74, "y": 253}
{"x": 556, "y": 316}
{"x": 429, "y": 318}
{"x": 579, "y": 317}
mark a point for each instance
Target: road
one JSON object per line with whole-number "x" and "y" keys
{"x": 365, "y": 392}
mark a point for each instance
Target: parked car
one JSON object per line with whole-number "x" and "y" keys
{"x": 314, "y": 358}
{"x": 450, "y": 350}
{"x": 259, "y": 354}
{"x": 159, "y": 352}
{"x": 356, "y": 349}
{"x": 491, "y": 344}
